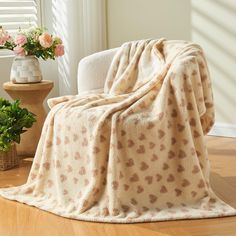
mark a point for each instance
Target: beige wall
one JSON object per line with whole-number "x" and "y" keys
{"x": 5, "y": 67}
{"x": 209, "y": 23}
{"x": 137, "y": 19}
{"x": 213, "y": 27}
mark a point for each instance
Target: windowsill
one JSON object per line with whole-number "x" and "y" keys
{"x": 6, "y": 54}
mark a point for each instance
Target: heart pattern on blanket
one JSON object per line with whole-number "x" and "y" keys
{"x": 130, "y": 162}
{"x": 154, "y": 157}
{"x": 163, "y": 189}
{"x": 171, "y": 154}
{"x": 149, "y": 179}
{"x": 170, "y": 178}
{"x": 130, "y": 143}
{"x": 133, "y": 201}
{"x": 178, "y": 192}
{"x": 134, "y": 178}
{"x": 140, "y": 189}
{"x": 141, "y": 149}
{"x": 152, "y": 198}
{"x": 142, "y": 136}
{"x": 136, "y": 151}
{"x": 144, "y": 166}
{"x": 151, "y": 145}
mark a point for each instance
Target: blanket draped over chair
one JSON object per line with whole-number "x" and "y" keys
{"x": 136, "y": 152}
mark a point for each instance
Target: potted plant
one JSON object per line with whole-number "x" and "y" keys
{"x": 29, "y": 45}
{"x": 13, "y": 120}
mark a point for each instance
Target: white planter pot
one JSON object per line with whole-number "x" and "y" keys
{"x": 25, "y": 69}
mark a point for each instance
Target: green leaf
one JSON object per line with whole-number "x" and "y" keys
{"x": 13, "y": 120}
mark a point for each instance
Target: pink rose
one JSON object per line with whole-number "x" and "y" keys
{"x": 45, "y": 40}
{"x": 59, "y": 50}
{"x": 20, "y": 40}
{"x": 19, "y": 51}
{"x": 3, "y": 40}
{"x": 4, "y": 36}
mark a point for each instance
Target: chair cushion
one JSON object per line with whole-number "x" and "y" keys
{"x": 92, "y": 70}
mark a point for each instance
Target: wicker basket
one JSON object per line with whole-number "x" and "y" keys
{"x": 9, "y": 159}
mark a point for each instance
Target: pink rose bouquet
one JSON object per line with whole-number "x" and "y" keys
{"x": 34, "y": 41}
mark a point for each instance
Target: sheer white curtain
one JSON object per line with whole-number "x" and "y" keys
{"x": 82, "y": 26}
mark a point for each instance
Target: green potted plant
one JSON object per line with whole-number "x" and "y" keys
{"x": 13, "y": 121}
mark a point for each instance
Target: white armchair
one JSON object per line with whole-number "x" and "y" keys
{"x": 92, "y": 71}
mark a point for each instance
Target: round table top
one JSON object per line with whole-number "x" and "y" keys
{"x": 44, "y": 84}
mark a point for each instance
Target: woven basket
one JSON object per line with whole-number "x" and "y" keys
{"x": 9, "y": 159}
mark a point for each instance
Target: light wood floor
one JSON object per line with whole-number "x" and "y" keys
{"x": 21, "y": 220}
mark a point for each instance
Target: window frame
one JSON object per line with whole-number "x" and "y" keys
{"x": 39, "y": 4}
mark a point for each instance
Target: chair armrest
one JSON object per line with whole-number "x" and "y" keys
{"x": 92, "y": 70}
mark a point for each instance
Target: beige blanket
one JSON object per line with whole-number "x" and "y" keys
{"x": 136, "y": 152}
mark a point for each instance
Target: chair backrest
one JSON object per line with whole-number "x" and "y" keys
{"x": 92, "y": 70}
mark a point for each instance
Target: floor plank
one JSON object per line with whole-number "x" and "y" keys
{"x": 18, "y": 219}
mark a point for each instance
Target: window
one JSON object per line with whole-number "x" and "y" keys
{"x": 15, "y": 14}
{"x": 19, "y": 14}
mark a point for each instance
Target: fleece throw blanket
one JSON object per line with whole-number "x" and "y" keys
{"x": 136, "y": 152}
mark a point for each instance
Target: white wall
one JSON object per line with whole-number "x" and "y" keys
{"x": 49, "y": 68}
{"x": 213, "y": 27}
{"x": 210, "y": 23}
{"x": 138, "y": 19}
{"x": 5, "y": 67}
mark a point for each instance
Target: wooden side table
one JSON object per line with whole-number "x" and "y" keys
{"x": 32, "y": 97}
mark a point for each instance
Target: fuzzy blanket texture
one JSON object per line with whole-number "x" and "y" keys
{"x": 136, "y": 152}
